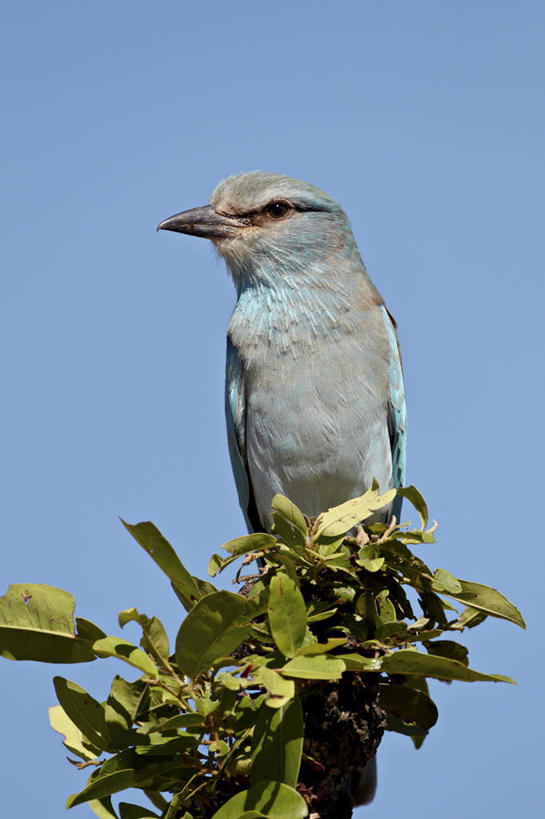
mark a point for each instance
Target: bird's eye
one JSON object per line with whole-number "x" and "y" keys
{"x": 278, "y": 210}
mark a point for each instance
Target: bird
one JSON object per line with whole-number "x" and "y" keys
{"x": 314, "y": 394}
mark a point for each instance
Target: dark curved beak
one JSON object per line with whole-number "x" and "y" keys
{"x": 204, "y": 222}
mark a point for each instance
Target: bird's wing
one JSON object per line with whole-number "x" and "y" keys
{"x": 397, "y": 413}
{"x": 235, "y": 415}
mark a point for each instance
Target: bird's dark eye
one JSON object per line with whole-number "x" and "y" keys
{"x": 278, "y": 210}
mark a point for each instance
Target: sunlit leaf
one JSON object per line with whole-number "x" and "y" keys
{"x": 357, "y": 662}
{"x": 413, "y": 496}
{"x": 444, "y": 581}
{"x": 103, "y": 808}
{"x": 289, "y": 523}
{"x": 250, "y": 543}
{"x": 320, "y": 667}
{"x": 340, "y": 519}
{"x": 310, "y": 649}
{"x": 279, "y": 690}
{"x": 37, "y": 623}
{"x": 74, "y": 739}
{"x": 287, "y": 614}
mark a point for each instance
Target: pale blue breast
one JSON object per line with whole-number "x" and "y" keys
{"x": 316, "y": 410}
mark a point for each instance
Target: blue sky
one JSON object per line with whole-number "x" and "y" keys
{"x": 426, "y": 120}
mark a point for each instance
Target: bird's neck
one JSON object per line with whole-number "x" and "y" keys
{"x": 293, "y": 311}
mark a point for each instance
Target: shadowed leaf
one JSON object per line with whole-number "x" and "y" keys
{"x": 442, "y": 668}
{"x": 487, "y": 600}
{"x": 129, "y": 653}
{"x": 408, "y": 704}
{"x": 275, "y": 799}
{"x": 160, "y": 550}
{"x": 84, "y": 711}
{"x": 211, "y": 630}
{"x": 277, "y": 744}
{"x": 130, "y": 811}
{"x": 74, "y": 740}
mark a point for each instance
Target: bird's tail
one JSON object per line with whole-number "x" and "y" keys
{"x": 365, "y": 783}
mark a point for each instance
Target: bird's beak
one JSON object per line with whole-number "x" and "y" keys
{"x": 205, "y": 222}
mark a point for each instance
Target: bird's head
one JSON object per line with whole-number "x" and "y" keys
{"x": 267, "y": 225}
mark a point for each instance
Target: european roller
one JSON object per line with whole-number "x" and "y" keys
{"x": 314, "y": 394}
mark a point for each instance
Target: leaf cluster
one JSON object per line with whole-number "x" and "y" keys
{"x": 214, "y": 725}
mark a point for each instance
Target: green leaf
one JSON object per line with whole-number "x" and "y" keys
{"x": 257, "y": 542}
{"x": 487, "y": 600}
{"x": 321, "y": 667}
{"x": 88, "y": 631}
{"x": 356, "y": 662}
{"x": 113, "y": 778}
{"x": 37, "y": 623}
{"x": 385, "y": 608}
{"x": 279, "y": 690}
{"x": 275, "y": 799}
{"x": 470, "y": 618}
{"x": 154, "y": 640}
{"x": 444, "y": 581}
{"x": 406, "y": 661}
{"x": 217, "y": 563}
{"x": 130, "y": 811}
{"x": 103, "y": 808}
{"x": 127, "y": 698}
{"x": 104, "y": 786}
{"x": 400, "y": 726}
{"x": 129, "y": 653}
{"x": 216, "y": 625}
{"x": 310, "y": 649}
{"x": 160, "y": 550}
{"x": 340, "y": 519}
{"x": 74, "y": 740}
{"x": 180, "y": 721}
{"x": 277, "y": 744}
{"x": 369, "y": 559}
{"x": 287, "y": 614}
{"x": 448, "y": 648}
{"x": 408, "y": 704}
{"x": 85, "y": 712}
{"x": 289, "y": 523}
{"x": 165, "y": 746}
{"x": 413, "y": 496}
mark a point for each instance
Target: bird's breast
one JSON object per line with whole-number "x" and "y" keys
{"x": 316, "y": 426}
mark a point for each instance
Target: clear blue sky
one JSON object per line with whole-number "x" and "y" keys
{"x": 426, "y": 120}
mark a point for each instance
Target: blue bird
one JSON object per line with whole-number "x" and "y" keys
{"x": 315, "y": 403}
